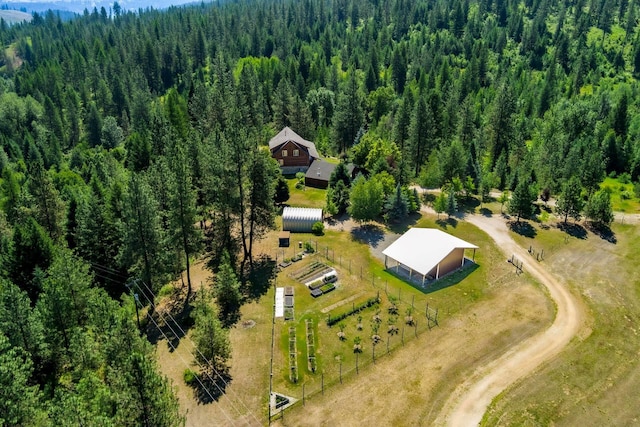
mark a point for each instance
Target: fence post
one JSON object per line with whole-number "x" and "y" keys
{"x": 416, "y": 329}
{"x": 403, "y": 335}
{"x": 413, "y": 298}
{"x": 302, "y": 394}
{"x": 388, "y": 337}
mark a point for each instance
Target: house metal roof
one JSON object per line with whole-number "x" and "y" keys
{"x": 422, "y": 249}
{"x": 286, "y": 135}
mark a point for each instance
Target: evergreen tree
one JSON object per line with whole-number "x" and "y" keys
{"x": 211, "y": 339}
{"x": 598, "y": 208}
{"x": 570, "y": 201}
{"x": 143, "y": 250}
{"x": 340, "y": 173}
{"x": 282, "y": 190}
{"x": 397, "y": 205}
{"x": 18, "y": 398}
{"x": 227, "y": 292}
{"x": 349, "y": 114}
{"x": 182, "y": 210}
{"x": 521, "y": 202}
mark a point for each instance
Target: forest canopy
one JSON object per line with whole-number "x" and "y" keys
{"x": 133, "y": 143}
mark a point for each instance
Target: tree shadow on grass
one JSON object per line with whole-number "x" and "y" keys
{"x": 523, "y": 228}
{"x": 400, "y": 227}
{"x": 447, "y": 222}
{"x": 602, "y": 231}
{"x": 486, "y": 212}
{"x": 573, "y": 230}
{"x": 171, "y": 325}
{"x": 370, "y": 234}
{"x": 468, "y": 204}
{"x": 210, "y": 387}
{"x": 261, "y": 278}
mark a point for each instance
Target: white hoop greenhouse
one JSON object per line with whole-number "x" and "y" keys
{"x": 300, "y": 220}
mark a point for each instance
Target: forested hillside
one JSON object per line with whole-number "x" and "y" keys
{"x": 132, "y": 143}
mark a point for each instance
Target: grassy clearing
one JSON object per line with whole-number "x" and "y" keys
{"x": 592, "y": 382}
{"x": 307, "y": 197}
{"x": 622, "y": 196}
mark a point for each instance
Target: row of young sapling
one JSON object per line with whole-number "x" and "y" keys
{"x": 393, "y": 312}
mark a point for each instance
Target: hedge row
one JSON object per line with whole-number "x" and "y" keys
{"x": 332, "y": 320}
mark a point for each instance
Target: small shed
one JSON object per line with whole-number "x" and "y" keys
{"x": 300, "y": 220}
{"x": 284, "y": 239}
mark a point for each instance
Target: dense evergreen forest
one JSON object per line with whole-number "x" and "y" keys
{"x": 132, "y": 143}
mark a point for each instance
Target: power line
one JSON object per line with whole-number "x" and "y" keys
{"x": 195, "y": 347}
{"x": 187, "y": 365}
{"x": 109, "y": 270}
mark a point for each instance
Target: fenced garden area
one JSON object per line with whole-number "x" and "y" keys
{"x": 362, "y": 315}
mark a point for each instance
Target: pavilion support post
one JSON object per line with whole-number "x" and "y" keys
{"x": 474, "y": 256}
{"x": 438, "y": 271}
{"x": 385, "y": 262}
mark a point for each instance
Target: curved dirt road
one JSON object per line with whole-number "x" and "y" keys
{"x": 467, "y": 405}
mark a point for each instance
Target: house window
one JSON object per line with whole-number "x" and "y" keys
{"x": 284, "y": 153}
{"x": 296, "y": 153}
{"x": 281, "y": 162}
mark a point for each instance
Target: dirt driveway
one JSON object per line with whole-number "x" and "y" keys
{"x": 467, "y": 405}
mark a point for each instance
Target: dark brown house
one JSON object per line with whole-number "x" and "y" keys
{"x": 293, "y": 153}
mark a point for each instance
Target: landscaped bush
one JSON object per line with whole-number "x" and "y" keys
{"x": 189, "y": 377}
{"x": 332, "y": 320}
{"x": 308, "y": 248}
{"x": 317, "y": 228}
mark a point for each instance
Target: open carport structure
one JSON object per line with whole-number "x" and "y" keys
{"x": 429, "y": 252}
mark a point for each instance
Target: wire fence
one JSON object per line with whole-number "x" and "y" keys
{"x": 414, "y": 314}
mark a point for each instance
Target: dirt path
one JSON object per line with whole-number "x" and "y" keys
{"x": 467, "y": 405}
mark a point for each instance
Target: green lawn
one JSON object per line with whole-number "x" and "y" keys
{"x": 622, "y": 196}
{"x": 306, "y": 197}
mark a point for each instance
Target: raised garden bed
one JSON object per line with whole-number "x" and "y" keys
{"x": 316, "y": 293}
{"x": 316, "y": 285}
{"x": 288, "y": 301}
{"x": 288, "y": 313}
{"x": 288, "y": 291}
{"x": 327, "y": 288}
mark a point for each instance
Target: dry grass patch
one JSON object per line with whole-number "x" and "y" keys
{"x": 595, "y": 380}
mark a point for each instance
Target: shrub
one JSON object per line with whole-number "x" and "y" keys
{"x": 166, "y": 290}
{"x": 624, "y": 178}
{"x": 317, "y": 228}
{"x": 332, "y": 320}
{"x": 625, "y": 195}
{"x": 189, "y": 377}
{"x": 308, "y": 248}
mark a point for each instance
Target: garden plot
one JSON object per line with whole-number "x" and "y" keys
{"x": 318, "y": 277}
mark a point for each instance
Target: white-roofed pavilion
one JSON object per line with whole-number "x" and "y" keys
{"x": 427, "y": 252}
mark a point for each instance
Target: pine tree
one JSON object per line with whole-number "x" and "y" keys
{"x": 143, "y": 249}
{"x": 349, "y": 115}
{"x": 227, "y": 292}
{"x": 598, "y": 208}
{"x": 570, "y": 201}
{"x": 521, "y": 203}
{"x": 182, "y": 209}
{"x": 211, "y": 339}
